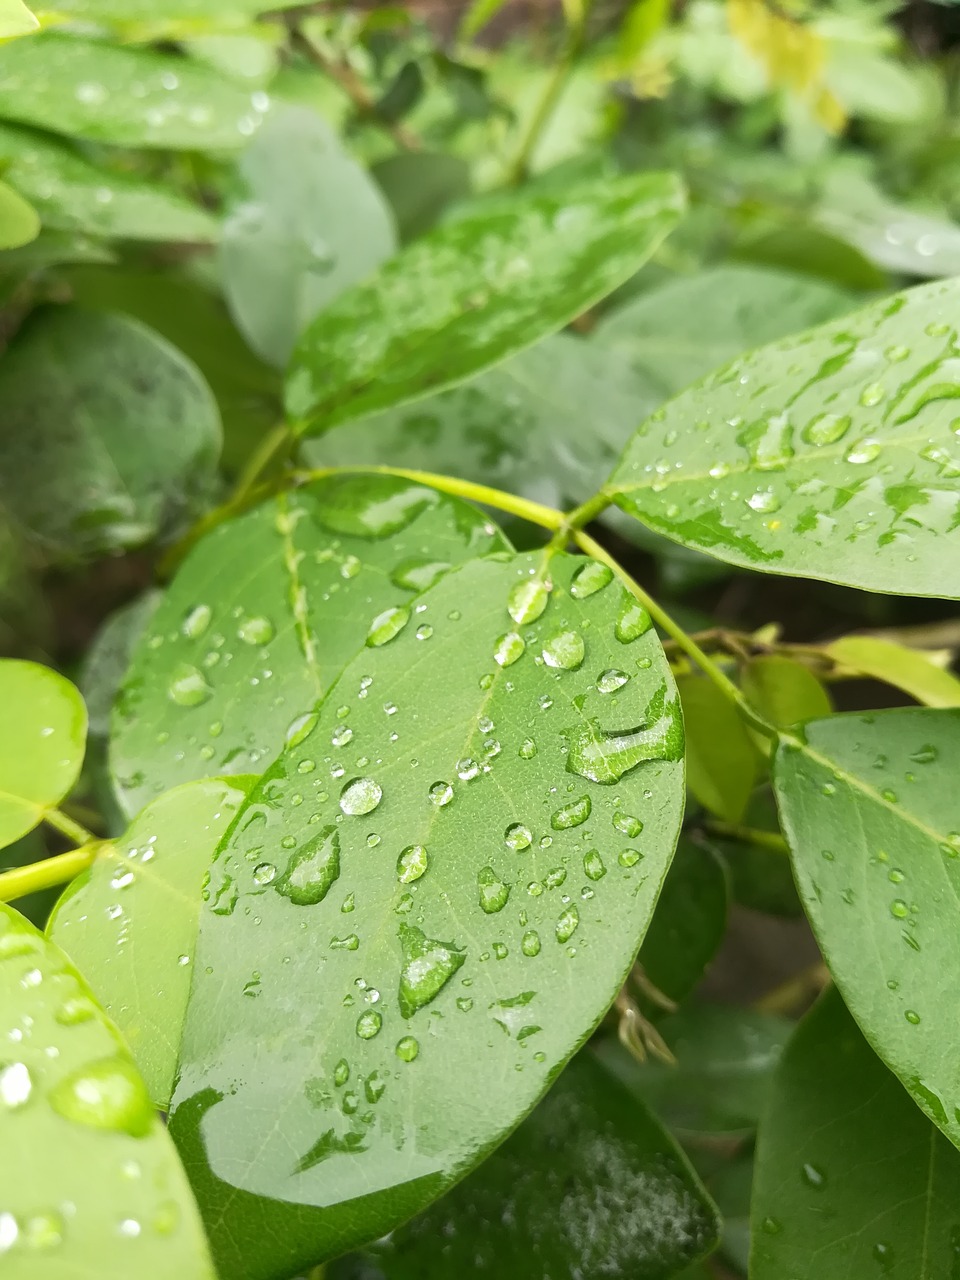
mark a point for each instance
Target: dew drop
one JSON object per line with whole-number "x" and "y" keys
{"x": 564, "y": 650}
{"x": 827, "y": 428}
{"x": 369, "y": 1023}
{"x": 593, "y": 867}
{"x": 492, "y": 891}
{"x": 517, "y": 837}
{"x": 105, "y": 1095}
{"x": 863, "y": 451}
{"x": 629, "y": 857}
{"x": 527, "y": 600}
{"x": 508, "y": 649}
{"x": 633, "y": 621}
{"x": 567, "y": 924}
{"x": 407, "y": 1049}
{"x": 256, "y": 631}
{"x": 264, "y": 873}
{"x": 188, "y": 687}
{"x": 441, "y": 793}
{"x": 610, "y": 680}
{"x": 571, "y": 815}
{"x": 196, "y": 622}
{"x": 528, "y": 749}
{"x": 312, "y": 869}
{"x": 412, "y": 863}
{"x": 589, "y": 579}
{"x": 387, "y": 625}
{"x": 359, "y": 796}
{"x": 912, "y": 1017}
{"x": 530, "y": 943}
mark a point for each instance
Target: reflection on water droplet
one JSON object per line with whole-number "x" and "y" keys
{"x": 264, "y": 873}
{"x": 528, "y": 749}
{"x": 863, "y": 451}
{"x": 427, "y": 967}
{"x": 517, "y": 837}
{"x": 633, "y": 621}
{"x": 105, "y": 1095}
{"x": 571, "y": 815}
{"x": 412, "y": 863}
{"x": 530, "y": 943}
{"x": 527, "y": 600}
{"x": 508, "y": 649}
{"x": 441, "y": 793}
{"x": 369, "y": 1023}
{"x": 196, "y": 622}
{"x": 16, "y": 1084}
{"x": 188, "y": 687}
{"x": 493, "y": 892}
{"x": 565, "y": 650}
{"x": 407, "y": 1049}
{"x": 589, "y": 579}
{"x": 912, "y": 1017}
{"x": 312, "y": 869}
{"x": 629, "y": 857}
{"x": 387, "y": 625}
{"x": 359, "y": 796}
{"x": 827, "y": 428}
{"x": 610, "y": 680}
{"x": 256, "y": 631}
{"x": 593, "y": 867}
{"x": 567, "y": 924}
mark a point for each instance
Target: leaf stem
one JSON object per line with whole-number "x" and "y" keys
{"x": 68, "y": 827}
{"x": 680, "y": 637}
{"x": 277, "y": 440}
{"x": 19, "y": 881}
{"x": 552, "y": 93}
{"x": 771, "y": 840}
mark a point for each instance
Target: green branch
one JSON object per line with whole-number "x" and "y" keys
{"x": 47, "y": 873}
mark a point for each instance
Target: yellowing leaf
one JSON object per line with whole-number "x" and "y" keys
{"x": 905, "y": 669}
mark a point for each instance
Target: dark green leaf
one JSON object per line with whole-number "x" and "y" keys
{"x": 129, "y": 97}
{"x": 89, "y": 1184}
{"x": 265, "y": 613}
{"x": 874, "y": 828}
{"x": 310, "y": 224}
{"x": 110, "y": 435}
{"x": 419, "y": 185}
{"x": 42, "y": 744}
{"x": 840, "y": 437}
{"x": 452, "y": 859}
{"x": 590, "y": 1185}
{"x": 477, "y": 291}
{"x": 72, "y": 194}
{"x": 852, "y": 1180}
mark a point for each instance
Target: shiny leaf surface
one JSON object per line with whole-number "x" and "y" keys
{"x": 460, "y": 858}
{"x": 473, "y": 292}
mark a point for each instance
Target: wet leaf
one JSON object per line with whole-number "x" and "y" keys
{"x": 589, "y": 1185}
{"x": 19, "y": 222}
{"x": 110, "y": 435}
{"x": 722, "y": 762}
{"x": 725, "y": 1059}
{"x": 310, "y": 224}
{"x": 459, "y": 886}
{"x": 852, "y": 1179}
{"x": 480, "y": 289}
{"x": 128, "y": 97}
{"x": 842, "y": 437}
{"x": 262, "y": 617}
{"x": 42, "y": 744}
{"x": 90, "y": 1183}
{"x": 106, "y": 661}
{"x": 894, "y": 664}
{"x": 875, "y": 839}
{"x": 71, "y": 194}
{"x": 142, "y": 899}
{"x": 689, "y": 922}
{"x": 784, "y": 691}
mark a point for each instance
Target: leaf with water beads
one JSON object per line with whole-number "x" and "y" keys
{"x": 264, "y": 613}
{"x": 748, "y": 466}
{"x": 497, "y": 899}
{"x": 874, "y": 835}
{"x": 851, "y": 1178}
{"x": 90, "y": 1183}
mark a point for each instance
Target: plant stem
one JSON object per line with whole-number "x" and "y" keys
{"x": 535, "y": 512}
{"x": 677, "y": 634}
{"x": 20, "y": 881}
{"x": 771, "y": 840}
{"x": 277, "y": 440}
{"x": 60, "y": 821}
{"x": 552, "y": 93}
{"x": 796, "y": 991}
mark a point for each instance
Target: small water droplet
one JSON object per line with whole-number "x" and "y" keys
{"x": 412, "y": 863}
{"x": 108, "y": 1094}
{"x": 530, "y": 943}
{"x": 567, "y": 924}
{"x": 264, "y": 873}
{"x": 517, "y": 837}
{"x": 528, "y": 749}
{"x": 188, "y": 687}
{"x": 16, "y": 1084}
{"x": 493, "y": 892}
{"x": 508, "y": 649}
{"x": 872, "y": 394}
{"x": 593, "y": 867}
{"x": 407, "y": 1049}
{"x": 312, "y": 869}
{"x": 912, "y": 1017}
{"x": 813, "y": 1176}
{"x": 424, "y": 631}
{"x": 387, "y": 625}
{"x": 369, "y": 1023}
{"x": 827, "y": 428}
{"x": 627, "y": 825}
{"x": 610, "y": 680}
{"x": 197, "y": 621}
{"x": 629, "y": 857}
{"x": 441, "y": 793}
{"x": 633, "y": 621}
{"x": 571, "y": 815}
{"x": 300, "y": 729}
{"x": 256, "y": 631}
{"x": 863, "y": 451}
{"x": 427, "y": 967}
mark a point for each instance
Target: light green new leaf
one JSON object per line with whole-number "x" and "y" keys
{"x": 72, "y": 194}
{"x": 310, "y": 224}
{"x": 852, "y": 1180}
{"x": 142, "y": 896}
{"x": 678, "y": 332}
{"x": 459, "y": 860}
{"x": 873, "y": 822}
{"x": 264, "y": 614}
{"x": 110, "y": 435}
{"x": 90, "y": 1184}
{"x": 832, "y": 455}
{"x": 722, "y": 762}
{"x": 218, "y": 14}
{"x": 725, "y": 1058}
{"x": 784, "y": 691}
{"x": 894, "y": 664}
{"x": 19, "y": 221}
{"x": 475, "y": 291}
{"x": 42, "y": 744}
{"x": 631, "y": 1204}
{"x": 128, "y": 97}
{"x": 16, "y": 19}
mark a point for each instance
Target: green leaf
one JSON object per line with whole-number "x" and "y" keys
{"x": 905, "y": 669}
{"x": 419, "y": 185}
{"x": 462, "y": 874}
{"x": 106, "y": 660}
{"x": 874, "y": 829}
{"x": 219, "y": 14}
{"x": 478, "y": 14}
{"x": 689, "y": 922}
{"x": 16, "y": 19}
{"x": 41, "y": 747}
{"x": 72, "y": 194}
{"x": 480, "y": 289}
{"x": 851, "y": 1179}
{"x": 784, "y": 691}
{"x": 110, "y": 434}
{"x": 143, "y": 892}
{"x": 722, "y": 762}
{"x": 674, "y": 334}
{"x": 725, "y": 1058}
{"x": 264, "y": 614}
{"x": 589, "y": 1185}
{"x": 128, "y": 97}
{"x": 90, "y": 1183}
{"x": 310, "y": 223}
{"x": 840, "y": 437}
{"x": 19, "y": 221}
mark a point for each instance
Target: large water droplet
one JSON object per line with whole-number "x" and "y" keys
{"x": 412, "y": 863}
{"x": 105, "y": 1095}
{"x": 593, "y": 867}
{"x": 605, "y": 755}
{"x": 633, "y": 621}
{"x": 407, "y": 1049}
{"x": 441, "y": 793}
{"x": 369, "y": 1023}
{"x": 386, "y": 625}
{"x": 517, "y": 837}
{"x": 567, "y": 924}
{"x": 196, "y": 622}
{"x": 571, "y": 815}
{"x": 312, "y": 869}
{"x": 256, "y": 631}
{"x": 826, "y": 428}
{"x": 359, "y": 796}
{"x": 493, "y": 892}
{"x": 508, "y": 649}
{"x": 611, "y": 680}
{"x": 188, "y": 687}
{"x": 428, "y": 965}
{"x": 589, "y": 579}
{"x": 527, "y": 600}
{"x": 565, "y": 650}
